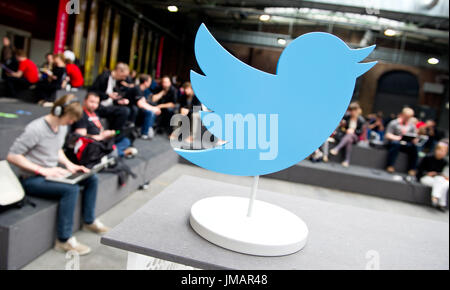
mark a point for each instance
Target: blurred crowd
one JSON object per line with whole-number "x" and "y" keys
{"x": 425, "y": 145}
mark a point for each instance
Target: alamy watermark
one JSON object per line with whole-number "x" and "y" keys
{"x": 233, "y": 131}
{"x": 73, "y": 260}
{"x": 373, "y": 258}
{"x": 73, "y": 7}
{"x": 372, "y": 7}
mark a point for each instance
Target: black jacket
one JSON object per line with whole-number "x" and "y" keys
{"x": 100, "y": 85}
{"x": 429, "y": 164}
{"x": 359, "y": 124}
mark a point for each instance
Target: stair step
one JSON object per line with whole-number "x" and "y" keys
{"x": 358, "y": 179}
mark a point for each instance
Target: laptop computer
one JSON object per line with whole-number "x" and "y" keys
{"x": 74, "y": 178}
{"x": 409, "y": 137}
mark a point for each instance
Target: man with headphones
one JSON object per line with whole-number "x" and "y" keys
{"x": 38, "y": 153}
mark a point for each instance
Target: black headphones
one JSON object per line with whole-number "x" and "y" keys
{"x": 58, "y": 111}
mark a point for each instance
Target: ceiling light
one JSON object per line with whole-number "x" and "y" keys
{"x": 390, "y": 32}
{"x": 281, "y": 41}
{"x": 428, "y": 3}
{"x": 264, "y": 17}
{"x": 172, "y": 8}
{"x": 433, "y": 60}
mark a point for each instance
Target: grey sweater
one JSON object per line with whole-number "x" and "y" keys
{"x": 39, "y": 144}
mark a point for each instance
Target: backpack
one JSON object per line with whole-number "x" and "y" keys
{"x": 12, "y": 193}
{"x": 87, "y": 151}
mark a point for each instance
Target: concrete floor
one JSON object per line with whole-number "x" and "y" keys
{"x": 103, "y": 257}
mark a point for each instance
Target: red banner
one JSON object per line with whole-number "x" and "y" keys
{"x": 160, "y": 55}
{"x": 61, "y": 27}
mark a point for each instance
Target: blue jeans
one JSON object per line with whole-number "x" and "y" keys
{"x": 121, "y": 145}
{"x": 394, "y": 147}
{"x": 149, "y": 120}
{"x": 68, "y": 196}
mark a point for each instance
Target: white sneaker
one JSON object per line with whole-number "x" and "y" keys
{"x": 151, "y": 133}
{"x": 130, "y": 152}
{"x": 96, "y": 227}
{"x": 72, "y": 245}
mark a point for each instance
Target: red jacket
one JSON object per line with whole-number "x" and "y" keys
{"x": 75, "y": 75}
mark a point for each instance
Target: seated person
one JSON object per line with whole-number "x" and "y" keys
{"x": 433, "y": 133}
{"x": 26, "y": 75}
{"x": 37, "y": 152}
{"x": 335, "y": 137}
{"x": 395, "y": 131}
{"x": 46, "y": 88}
{"x": 353, "y": 128}
{"x": 190, "y": 104}
{"x": 113, "y": 106}
{"x": 138, "y": 104}
{"x": 165, "y": 100}
{"x": 89, "y": 125}
{"x": 125, "y": 85}
{"x": 7, "y": 57}
{"x": 188, "y": 100}
{"x": 376, "y": 125}
{"x": 74, "y": 75}
{"x": 47, "y": 65}
{"x": 431, "y": 172}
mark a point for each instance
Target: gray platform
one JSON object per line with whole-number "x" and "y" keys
{"x": 340, "y": 236}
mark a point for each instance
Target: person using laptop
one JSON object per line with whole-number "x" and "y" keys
{"x": 37, "y": 152}
{"x": 400, "y": 136}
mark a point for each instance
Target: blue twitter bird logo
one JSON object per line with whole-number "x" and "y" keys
{"x": 299, "y": 106}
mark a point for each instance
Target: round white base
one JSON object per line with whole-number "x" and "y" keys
{"x": 270, "y": 231}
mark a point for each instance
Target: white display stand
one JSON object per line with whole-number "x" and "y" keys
{"x": 248, "y": 226}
